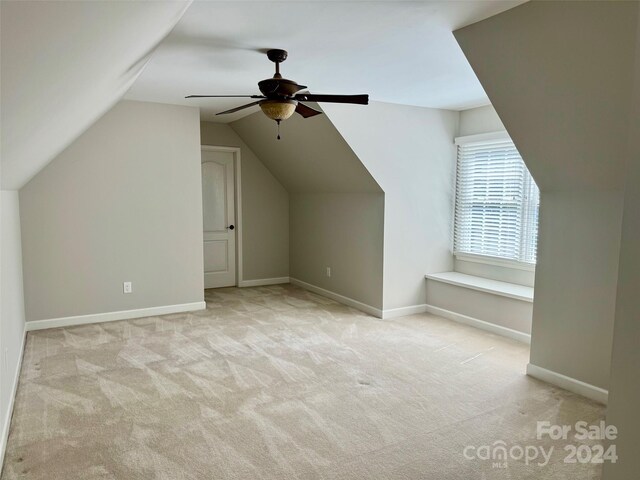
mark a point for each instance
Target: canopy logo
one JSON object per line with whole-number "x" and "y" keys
{"x": 499, "y": 453}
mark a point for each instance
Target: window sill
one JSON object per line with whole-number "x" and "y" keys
{"x": 504, "y": 289}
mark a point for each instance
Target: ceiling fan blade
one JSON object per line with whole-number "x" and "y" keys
{"x": 306, "y": 111}
{"x": 224, "y": 96}
{"x": 237, "y": 109}
{"x": 311, "y": 97}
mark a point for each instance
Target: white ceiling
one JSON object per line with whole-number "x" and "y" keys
{"x": 398, "y": 52}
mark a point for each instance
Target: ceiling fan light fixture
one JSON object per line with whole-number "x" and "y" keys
{"x": 278, "y": 110}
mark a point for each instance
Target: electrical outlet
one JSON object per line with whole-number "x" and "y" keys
{"x": 328, "y": 271}
{"x": 126, "y": 287}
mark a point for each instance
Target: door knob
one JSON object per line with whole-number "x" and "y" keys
{"x": 231, "y": 227}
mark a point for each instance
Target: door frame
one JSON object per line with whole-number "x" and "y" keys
{"x": 238, "y": 200}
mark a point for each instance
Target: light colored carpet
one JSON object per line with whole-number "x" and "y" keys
{"x": 278, "y": 383}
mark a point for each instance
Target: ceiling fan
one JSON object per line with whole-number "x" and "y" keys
{"x": 281, "y": 98}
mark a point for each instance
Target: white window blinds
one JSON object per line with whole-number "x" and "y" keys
{"x": 497, "y": 202}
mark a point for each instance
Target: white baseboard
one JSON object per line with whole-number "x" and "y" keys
{"x": 403, "y": 311}
{"x": 113, "y": 316}
{"x": 481, "y": 324}
{"x": 12, "y": 398}
{"x": 376, "y": 312}
{"x": 263, "y": 281}
{"x": 571, "y": 384}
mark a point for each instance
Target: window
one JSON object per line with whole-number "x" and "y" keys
{"x": 497, "y": 201}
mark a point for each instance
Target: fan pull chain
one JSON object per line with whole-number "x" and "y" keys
{"x": 278, "y": 122}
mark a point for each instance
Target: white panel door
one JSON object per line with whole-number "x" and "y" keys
{"x": 218, "y": 209}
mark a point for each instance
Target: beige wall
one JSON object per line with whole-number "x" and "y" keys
{"x": 624, "y": 389}
{"x": 343, "y": 231}
{"x": 479, "y": 120}
{"x": 562, "y": 94}
{"x": 336, "y": 211}
{"x": 12, "y": 302}
{"x": 121, "y": 203}
{"x": 265, "y": 209}
{"x": 311, "y": 157}
{"x": 577, "y": 272}
{"x": 410, "y": 153}
{"x": 495, "y": 309}
{"x": 564, "y": 97}
{"x": 518, "y": 276}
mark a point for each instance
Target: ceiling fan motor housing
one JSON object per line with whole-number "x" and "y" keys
{"x": 279, "y": 88}
{"x": 277, "y": 55}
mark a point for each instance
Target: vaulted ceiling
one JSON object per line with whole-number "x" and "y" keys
{"x": 64, "y": 64}
{"x": 312, "y": 156}
{"x": 398, "y": 52}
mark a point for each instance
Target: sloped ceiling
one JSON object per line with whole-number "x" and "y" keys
{"x": 312, "y": 156}
{"x": 396, "y": 51}
{"x": 64, "y": 64}
{"x": 559, "y": 74}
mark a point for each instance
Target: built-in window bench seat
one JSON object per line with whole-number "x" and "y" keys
{"x": 499, "y": 307}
